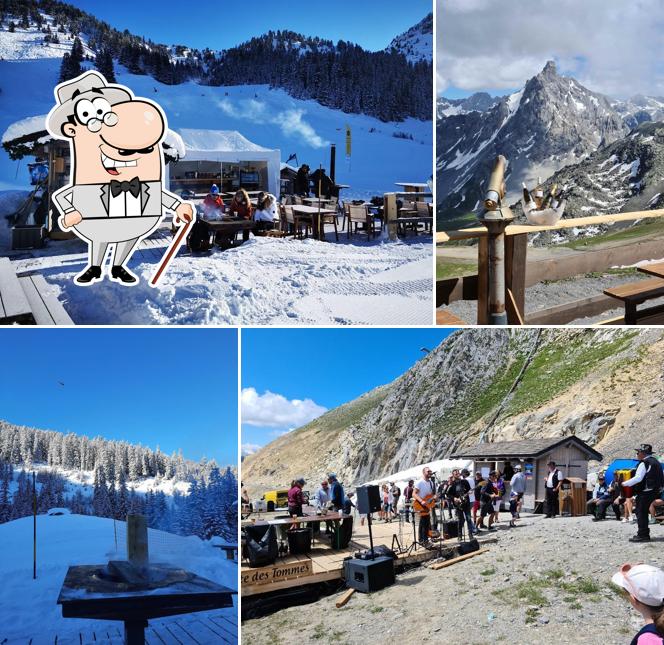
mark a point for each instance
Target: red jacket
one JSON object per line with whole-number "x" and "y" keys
{"x": 295, "y": 496}
{"x": 243, "y": 210}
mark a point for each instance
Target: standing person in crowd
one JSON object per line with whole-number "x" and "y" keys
{"x": 296, "y": 498}
{"x": 500, "y": 486}
{"x": 213, "y": 205}
{"x": 396, "y": 494}
{"x": 348, "y": 504}
{"x": 458, "y": 495}
{"x": 508, "y": 471}
{"x": 424, "y": 492}
{"x": 322, "y": 184}
{"x": 322, "y": 495}
{"x": 336, "y": 492}
{"x": 478, "y": 483}
{"x": 388, "y": 499}
{"x": 647, "y": 484}
{"x": 488, "y": 496}
{"x": 621, "y": 502}
{"x": 551, "y": 487}
{"x": 266, "y": 212}
{"x": 302, "y": 181}
{"x": 382, "y": 515}
{"x": 517, "y": 490}
{"x": 408, "y": 497}
{"x": 645, "y": 586}
{"x": 602, "y": 498}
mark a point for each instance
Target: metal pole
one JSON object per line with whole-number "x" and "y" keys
{"x": 497, "y": 313}
{"x": 333, "y": 164}
{"x": 34, "y": 526}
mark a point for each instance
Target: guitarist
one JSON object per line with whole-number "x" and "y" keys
{"x": 424, "y": 494}
{"x": 458, "y": 495}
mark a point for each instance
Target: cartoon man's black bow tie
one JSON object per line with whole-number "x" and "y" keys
{"x": 133, "y": 187}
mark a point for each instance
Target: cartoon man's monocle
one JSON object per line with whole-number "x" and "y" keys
{"x": 115, "y": 195}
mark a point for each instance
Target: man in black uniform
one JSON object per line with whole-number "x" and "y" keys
{"x": 551, "y": 487}
{"x": 647, "y": 482}
{"x": 458, "y": 495}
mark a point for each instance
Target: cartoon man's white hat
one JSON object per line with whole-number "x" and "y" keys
{"x": 87, "y": 86}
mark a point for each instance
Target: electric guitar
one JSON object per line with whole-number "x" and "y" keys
{"x": 429, "y": 503}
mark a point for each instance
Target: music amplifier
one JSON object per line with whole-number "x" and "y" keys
{"x": 369, "y": 575}
{"x": 368, "y": 499}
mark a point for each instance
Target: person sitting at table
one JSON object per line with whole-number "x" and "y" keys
{"x": 241, "y": 207}
{"x": 213, "y": 205}
{"x": 266, "y": 212}
{"x": 296, "y": 498}
{"x": 348, "y": 504}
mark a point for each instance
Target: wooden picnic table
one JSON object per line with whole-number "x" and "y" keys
{"x": 88, "y": 591}
{"x": 314, "y": 212}
{"x": 317, "y": 200}
{"x": 656, "y": 270}
{"x": 228, "y": 227}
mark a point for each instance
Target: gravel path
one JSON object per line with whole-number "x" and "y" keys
{"x": 550, "y": 294}
{"x": 547, "y": 581}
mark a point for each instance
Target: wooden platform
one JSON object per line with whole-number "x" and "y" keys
{"x": 327, "y": 564}
{"x": 204, "y": 628}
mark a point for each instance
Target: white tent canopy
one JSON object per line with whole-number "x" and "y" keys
{"x": 442, "y": 468}
{"x": 229, "y": 146}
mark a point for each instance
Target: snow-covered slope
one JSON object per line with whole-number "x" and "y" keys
{"x": 28, "y": 607}
{"x": 416, "y": 44}
{"x": 478, "y": 102}
{"x": 270, "y": 118}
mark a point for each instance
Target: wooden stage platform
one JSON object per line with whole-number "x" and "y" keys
{"x": 324, "y": 564}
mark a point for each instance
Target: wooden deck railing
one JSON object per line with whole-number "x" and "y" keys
{"x": 518, "y": 275}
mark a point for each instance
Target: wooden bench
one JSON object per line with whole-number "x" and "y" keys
{"x": 14, "y": 305}
{"x": 636, "y": 293}
{"x": 46, "y": 308}
{"x": 414, "y": 221}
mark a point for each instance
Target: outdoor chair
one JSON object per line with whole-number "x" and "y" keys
{"x": 424, "y": 210}
{"x": 360, "y": 216}
{"x": 295, "y": 222}
{"x": 346, "y": 213}
{"x": 297, "y": 200}
{"x": 330, "y": 218}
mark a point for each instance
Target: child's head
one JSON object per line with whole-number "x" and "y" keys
{"x": 645, "y": 586}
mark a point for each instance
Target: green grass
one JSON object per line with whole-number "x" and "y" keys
{"x": 376, "y": 609}
{"x": 488, "y": 572}
{"x": 557, "y": 367}
{"x": 650, "y": 227}
{"x": 319, "y": 632}
{"x": 445, "y": 269}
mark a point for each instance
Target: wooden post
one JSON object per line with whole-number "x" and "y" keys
{"x": 34, "y": 526}
{"x": 516, "y": 255}
{"x": 483, "y": 281}
{"x": 390, "y": 213}
{"x": 137, "y": 540}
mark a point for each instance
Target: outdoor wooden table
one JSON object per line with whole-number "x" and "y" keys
{"x": 228, "y": 227}
{"x": 313, "y": 212}
{"x": 316, "y": 200}
{"x": 656, "y": 270}
{"x": 89, "y": 591}
{"x": 303, "y": 519}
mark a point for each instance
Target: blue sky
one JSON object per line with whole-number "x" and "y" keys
{"x": 219, "y": 24}
{"x": 175, "y": 388}
{"x": 320, "y": 368}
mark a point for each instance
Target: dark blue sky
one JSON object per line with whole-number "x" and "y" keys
{"x": 175, "y": 388}
{"x": 329, "y": 366}
{"x": 219, "y": 24}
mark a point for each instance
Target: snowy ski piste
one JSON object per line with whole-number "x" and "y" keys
{"x": 29, "y": 608}
{"x": 265, "y": 281}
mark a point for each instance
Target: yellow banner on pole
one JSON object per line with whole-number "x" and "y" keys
{"x": 349, "y": 141}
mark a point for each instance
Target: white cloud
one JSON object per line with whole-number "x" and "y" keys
{"x": 611, "y": 47}
{"x": 291, "y": 122}
{"x": 249, "y": 449}
{"x": 269, "y": 410}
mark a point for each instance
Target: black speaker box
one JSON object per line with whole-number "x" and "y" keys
{"x": 468, "y": 547}
{"x": 450, "y": 529}
{"x": 369, "y": 575}
{"x": 368, "y": 499}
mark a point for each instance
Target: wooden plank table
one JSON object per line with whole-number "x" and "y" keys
{"x": 656, "y": 270}
{"x": 229, "y": 227}
{"x": 89, "y": 592}
{"x": 314, "y": 212}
